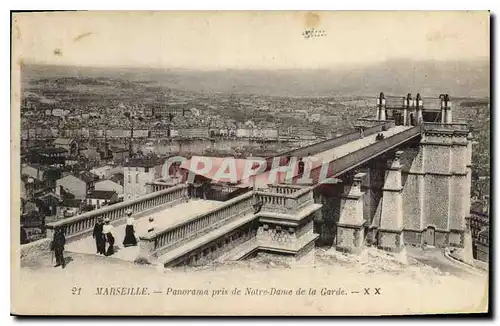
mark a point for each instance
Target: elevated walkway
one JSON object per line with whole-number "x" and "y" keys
{"x": 343, "y": 157}
{"x": 339, "y": 160}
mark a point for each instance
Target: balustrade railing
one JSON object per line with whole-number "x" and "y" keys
{"x": 85, "y": 222}
{"x": 284, "y": 203}
{"x": 155, "y": 244}
{"x": 176, "y": 235}
{"x": 283, "y": 189}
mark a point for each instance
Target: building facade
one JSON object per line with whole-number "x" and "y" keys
{"x": 138, "y": 173}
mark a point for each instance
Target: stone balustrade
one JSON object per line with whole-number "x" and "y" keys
{"x": 283, "y": 189}
{"x": 82, "y": 224}
{"x": 153, "y": 245}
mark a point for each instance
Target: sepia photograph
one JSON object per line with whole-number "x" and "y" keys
{"x": 250, "y": 163}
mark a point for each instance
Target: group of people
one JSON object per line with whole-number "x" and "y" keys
{"x": 103, "y": 235}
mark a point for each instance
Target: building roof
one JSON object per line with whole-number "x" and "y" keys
{"x": 117, "y": 177}
{"x": 484, "y": 235}
{"x": 102, "y": 168}
{"x": 102, "y": 194}
{"x": 38, "y": 166}
{"x": 51, "y": 150}
{"x": 110, "y": 184}
{"x": 116, "y": 149}
{"x": 478, "y": 207}
{"x": 145, "y": 161}
{"x": 88, "y": 176}
{"x": 69, "y": 202}
{"x": 25, "y": 178}
{"x": 71, "y": 178}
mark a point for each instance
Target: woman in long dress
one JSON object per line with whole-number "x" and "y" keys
{"x": 109, "y": 238}
{"x": 130, "y": 239}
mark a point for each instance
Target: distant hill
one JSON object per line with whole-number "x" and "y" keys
{"x": 398, "y": 77}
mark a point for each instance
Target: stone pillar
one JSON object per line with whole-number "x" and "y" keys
{"x": 409, "y": 103}
{"x": 382, "y": 113}
{"x": 381, "y": 107}
{"x": 443, "y": 109}
{"x": 350, "y": 232}
{"x": 390, "y": 232}
{"x": 449, "y": 118}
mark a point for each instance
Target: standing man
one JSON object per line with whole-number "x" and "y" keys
{"x": 57, "y": 246}
{"x": 107, "y": 230}
{"x": 98, "y": 235}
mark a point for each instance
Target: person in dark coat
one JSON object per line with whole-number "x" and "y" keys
{"x": 98, "y": 235}
{"x": 107, "y": 228}
{"x": 130, "y": 239}
{"x": 57, "y": 246}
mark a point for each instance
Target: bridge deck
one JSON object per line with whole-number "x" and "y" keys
{"x": 343, "y": 150}
{"x": 163, "y": 219}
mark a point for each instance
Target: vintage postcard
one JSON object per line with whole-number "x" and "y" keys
{"x": 250, "y": 163}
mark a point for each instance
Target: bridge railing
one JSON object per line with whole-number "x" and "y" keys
{"x": 174, "y": 236}
{"x": 83, "y": 223}
{"x": 349, "y": 161}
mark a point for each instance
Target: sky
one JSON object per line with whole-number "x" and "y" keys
{"x": 247, "y": 40}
